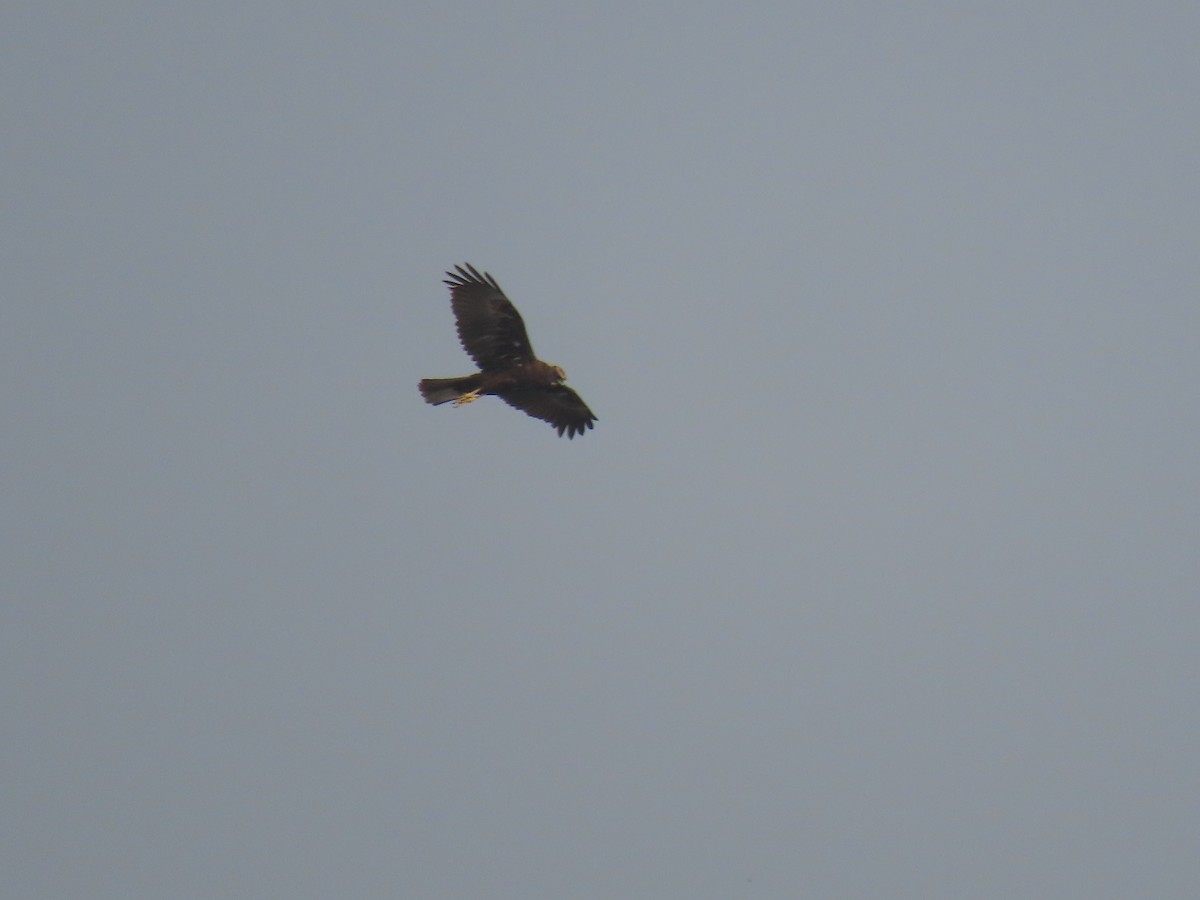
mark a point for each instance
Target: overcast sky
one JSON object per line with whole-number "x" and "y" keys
{"x": 877, "y": 578}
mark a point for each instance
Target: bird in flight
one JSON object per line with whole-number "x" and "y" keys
{"x": 493, "y": 334}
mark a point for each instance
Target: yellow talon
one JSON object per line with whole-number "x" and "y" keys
{"x": 468, "y": 397}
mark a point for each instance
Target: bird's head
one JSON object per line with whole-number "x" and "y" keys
{"x": 562, "y": 376}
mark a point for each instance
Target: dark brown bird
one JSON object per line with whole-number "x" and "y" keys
{"x": 493, "y": 334}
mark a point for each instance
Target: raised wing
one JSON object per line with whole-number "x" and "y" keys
{"x": 558, "y": 405}
{"x": 489, "y": 326}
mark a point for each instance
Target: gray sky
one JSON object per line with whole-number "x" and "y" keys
{"x": 877, "y": 578}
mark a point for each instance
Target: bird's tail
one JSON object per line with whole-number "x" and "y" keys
{"x": 443, "y": 390}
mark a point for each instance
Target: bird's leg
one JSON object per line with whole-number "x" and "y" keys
{"x": 468, "y": 397}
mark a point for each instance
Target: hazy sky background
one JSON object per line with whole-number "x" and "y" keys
{"x": 877, "y": 578}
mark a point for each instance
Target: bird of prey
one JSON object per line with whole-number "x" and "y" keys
{"x": 493, "y": 334}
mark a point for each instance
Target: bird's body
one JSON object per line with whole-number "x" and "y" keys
{"x": 493, "y": 334}
{"x": 497, "y": 381}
